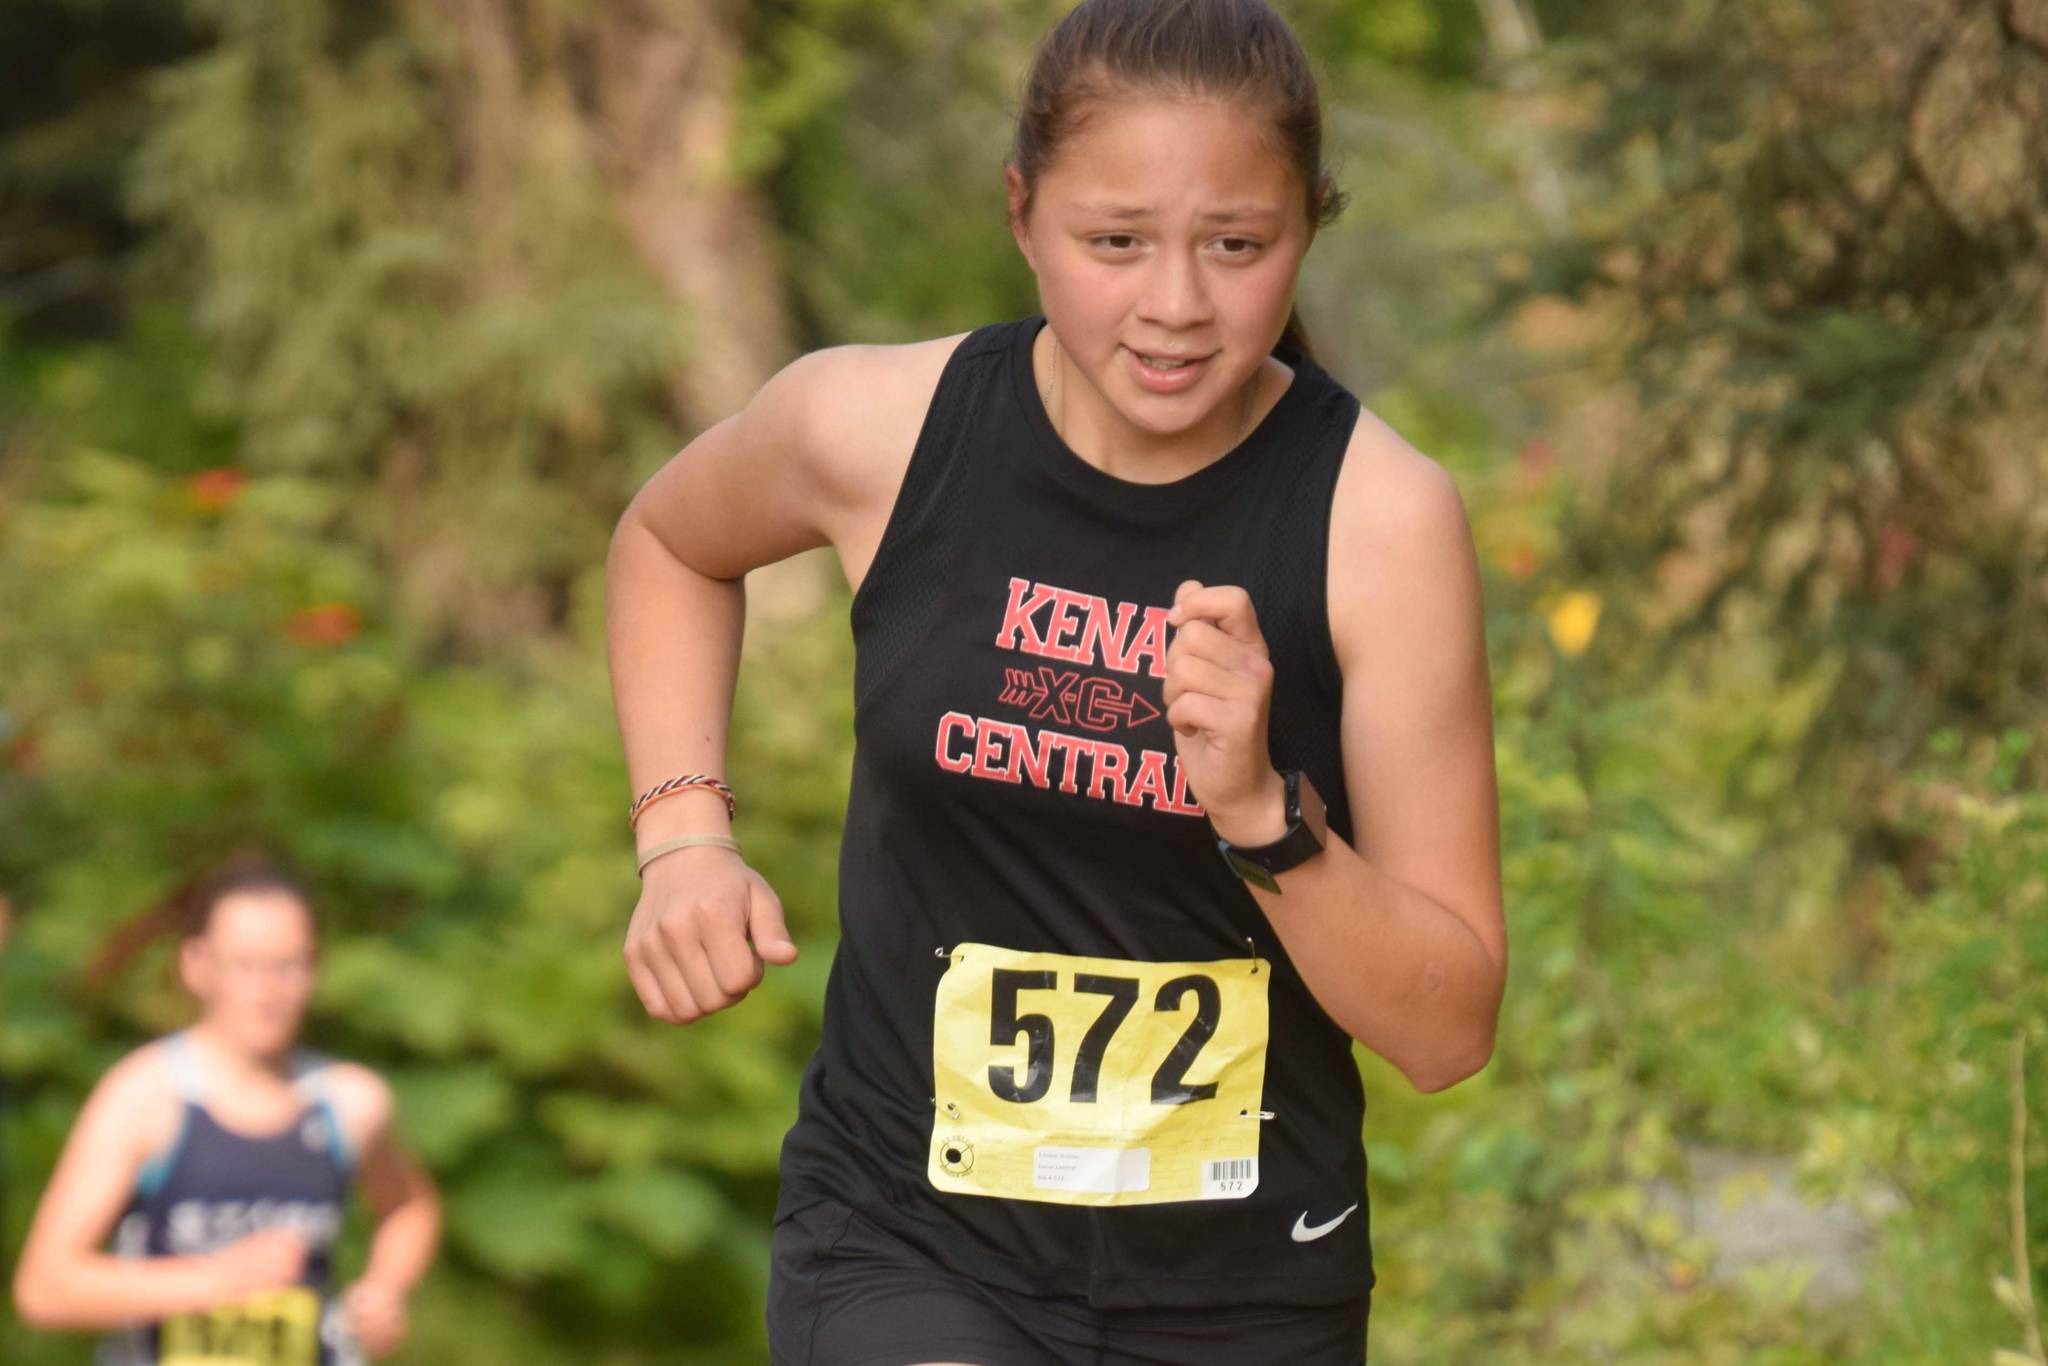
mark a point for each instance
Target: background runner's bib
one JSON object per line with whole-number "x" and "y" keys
{"x": 1097, "y": 1081}
{"x": 278, "y": 1329}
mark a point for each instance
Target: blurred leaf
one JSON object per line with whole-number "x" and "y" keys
{"x": 672, "y": 1213}
{"x": 516, "y": 1216}
{"x": 445, "y": 1111}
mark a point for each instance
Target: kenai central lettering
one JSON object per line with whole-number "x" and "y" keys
{"x": 1059, "y": 623}
{"x": 1003, "y": 751}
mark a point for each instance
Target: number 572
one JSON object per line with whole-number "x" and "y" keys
{"x": 1120, "y": 995}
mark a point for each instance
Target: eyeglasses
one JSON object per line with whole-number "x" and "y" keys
{"x": 295, "y": 967}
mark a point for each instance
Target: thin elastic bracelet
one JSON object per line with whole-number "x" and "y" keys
{"x": 674, "y": 785}
{"x": 684, "y": 842}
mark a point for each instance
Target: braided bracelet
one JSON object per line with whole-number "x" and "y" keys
{"x": 680, "y": 783}
{"x": 684, "y": 842}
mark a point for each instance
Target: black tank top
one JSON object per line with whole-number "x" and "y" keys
{"x": 1063, "y": 1051}
{"x": 215, "y": 1185}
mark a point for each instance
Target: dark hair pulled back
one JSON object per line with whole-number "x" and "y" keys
{"x": 245, "y": 870}
{"x": 1106, "y": 50}
{"x": 186, "y": 910}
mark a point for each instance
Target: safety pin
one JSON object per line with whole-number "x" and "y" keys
{"x": 1252, "y": 946}
{"x": 1255, "y": 1114}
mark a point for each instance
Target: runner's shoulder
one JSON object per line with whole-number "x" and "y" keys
{"x": 139, "y": 1095}
{"x": 141, "y": 1074}
{"x": 857, "y": 408}
{"x": 362, "y": 1097}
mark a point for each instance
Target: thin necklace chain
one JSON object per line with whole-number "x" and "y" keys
{"x": 1244, "y": 421}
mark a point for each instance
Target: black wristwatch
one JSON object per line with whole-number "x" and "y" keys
{"x": 1307, "y": 829}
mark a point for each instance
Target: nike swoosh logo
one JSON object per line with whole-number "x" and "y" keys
{"x": 1303, "y": 1233}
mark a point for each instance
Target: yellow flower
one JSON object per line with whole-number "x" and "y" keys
{"x": 1572, "y": 619}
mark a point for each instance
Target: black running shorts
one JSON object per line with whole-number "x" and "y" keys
{"x": 842, "y": 1291}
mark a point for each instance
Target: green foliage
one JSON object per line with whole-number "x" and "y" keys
{"x": 1801, "y": 276}
{"x": 1677, "y": 976}
{"x": 199, "y": 660}
{"x": 444, "y": 314}
{"x": 1923, "y": 1082}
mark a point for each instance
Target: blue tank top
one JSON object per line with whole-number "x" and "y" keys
{"x": 213, "y": 1186}
{"x": 1063, "y": 1051}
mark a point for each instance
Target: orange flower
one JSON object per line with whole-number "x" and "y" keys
{"x": 214, "y": 489}
{"x": 1522, "y": 560}
{"x": 329, "y": 623}
{"x": 1897, "y": 548}
{"x": 1533, "y": 464}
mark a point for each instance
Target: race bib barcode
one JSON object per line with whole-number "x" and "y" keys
{"x": 1233, "y": 1178}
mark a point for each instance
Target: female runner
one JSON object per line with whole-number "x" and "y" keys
{"x": 1173, "y": 769}
{"x": 219, "y": 1159}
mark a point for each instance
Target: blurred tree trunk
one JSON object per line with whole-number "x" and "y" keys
{"x": 1512, "y": 37}
{"x": 651, "y": 88}
{"x": 666, "y": 107}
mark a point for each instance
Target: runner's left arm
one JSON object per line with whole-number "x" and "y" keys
{"x": 407, "y": 1207}
{"x": 1399, "y": 933}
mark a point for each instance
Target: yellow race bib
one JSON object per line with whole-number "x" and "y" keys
{"x": 1097, "y": 1081}
{"x": 281, "y": 1328}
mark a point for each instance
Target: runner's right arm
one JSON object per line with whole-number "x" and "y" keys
{"x": 64, "y": 1280}
{"x": 753, "y": 489}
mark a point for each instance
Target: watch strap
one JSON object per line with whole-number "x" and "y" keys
{"x": 1257, "y": 864}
